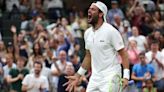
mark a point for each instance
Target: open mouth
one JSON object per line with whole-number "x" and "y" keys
{"x": 89, "y": 16}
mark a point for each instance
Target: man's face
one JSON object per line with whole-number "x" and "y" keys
{"x": 154, "y": 47}
{"x": 37, "y": 68}
{"x": 9, "y": 60}
{"x": 142, "y": 59}
{"x": 20, "y": 63}
{"x": 93, "y": 14}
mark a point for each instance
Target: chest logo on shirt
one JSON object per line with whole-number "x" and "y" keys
{"x": 102, "y": 41}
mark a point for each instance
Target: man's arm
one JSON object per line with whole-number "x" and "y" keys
{"x": 74, "y": 80}
{"x": 124, "y": 57}
{"x": 86, "y": 64}
{"x": 125, "y": 63}
{"x": 87, "y": 61}
{"x": 134, "y": 77}
{"x": 11, "y": 80}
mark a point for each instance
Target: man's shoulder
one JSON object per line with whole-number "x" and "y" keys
{"x": 137, "y": 65}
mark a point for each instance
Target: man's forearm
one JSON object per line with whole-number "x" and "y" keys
{"x": 124, "y": 57}
{"x": 125, "y": 63}
{"x": 86, "y": 64}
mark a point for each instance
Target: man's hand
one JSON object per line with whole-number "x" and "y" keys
{"x": 124, "y": 83}
{"x": 72, "y": 83}
{"x": 20, "y": 76}
{"x": 13, "y": 29}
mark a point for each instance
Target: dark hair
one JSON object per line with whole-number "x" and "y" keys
{"x": 154, "y": 41}
{"x": 37, "y": 62}
{"x": 142, "y": 53}
{"x": 40, "y": 50}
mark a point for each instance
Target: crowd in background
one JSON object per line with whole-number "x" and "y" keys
{"x": 47, "y": 47}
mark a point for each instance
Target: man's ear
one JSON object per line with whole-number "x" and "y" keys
{"x": 101, "y": 15}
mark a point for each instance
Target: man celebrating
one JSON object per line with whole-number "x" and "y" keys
{"x": 103, "y": 43}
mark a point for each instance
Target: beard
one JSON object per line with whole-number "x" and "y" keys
{"x": 94, "y": 20}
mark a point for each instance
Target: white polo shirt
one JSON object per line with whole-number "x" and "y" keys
{"x": 103, "y": 45}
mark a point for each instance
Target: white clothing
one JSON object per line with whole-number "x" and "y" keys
{"x": 141, "y": 40}
{"x": 162, "y": 53}
{"x": 7, "y": 69}
{"x": 53, "y": 68}
{"x": 158, "y": 70}
{"x": 112, "y": 84}
{"x": 103, "y": 45}
{"x": 30, "y": 80}
{"x": 10, "y": 3}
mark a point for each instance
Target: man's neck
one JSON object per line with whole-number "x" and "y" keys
{"x": 37, "y": 75}
{"x": 98, "y": 25}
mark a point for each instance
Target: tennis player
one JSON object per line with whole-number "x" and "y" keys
{"x": 103, "y": 44}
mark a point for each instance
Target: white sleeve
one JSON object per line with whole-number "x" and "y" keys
{"x": 26, "y": 80}
{"x": 45, "y": 83}
{"x": 53, "y": 68}
{"x": 116, "y": 40}
{"x": 85, "y": 40}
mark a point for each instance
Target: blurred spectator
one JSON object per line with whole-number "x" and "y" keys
{"x": 37, "y": 52}
{"x": 126, "y": 33}
{"x": 142, "y": 71}
{"x": 24, "y": 22}
{"x": 149, "y": 86}
{"x": 82, "y": 21}
{"x": 158, "y": 22}
{"x": 17, "y": 74}
{"x": 9, "y": 65}
{"x": 115, "y": 10}
{"x": 64, "y": 43}
{"x": 133, "y": 54}
{"x": 69, "y": 71}
{"x": 118, "y": 23}
{"x": 2, "y": 51}
{"x": 35, "y": 82}
{"x": 54, "y": 8}
{"x": 149, "y": 5}
{"x": 58, "y": 67}
{"x": 15, "y": 13}
{"x": 135, "y": 14}
{"x": 154, "y": 57}
{"x": 24, "y": 6}
{"x": 140, "y": 39}
{"x": 146, "y": 25}
{"x": 75, "y": 61}
{"x": 11, "y": 3}
{"x": 156, "y": 35}
{"x": 44, "y": 72}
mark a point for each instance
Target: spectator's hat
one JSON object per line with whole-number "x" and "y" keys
{"x": 103, "y": 8}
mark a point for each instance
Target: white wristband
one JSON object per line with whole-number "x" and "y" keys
{"x": 81, "y": 71}
{"x": 126, "y": 74}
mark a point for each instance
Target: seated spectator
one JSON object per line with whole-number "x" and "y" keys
{"x": 9, "y": 65}
{"x": 115, "y": 10}
{"x": 75, "y": 61}
{"x": 17, "y": 74}
{"x": 140, "y": 39}
{"x": 149, "y": 86}
{"x": 154, "y": 57}
{"x": 142, "y": 71}
{"x": 62, "y": 80}
{"x": 58, "y": 67}
{"x": 35, "y": 82}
